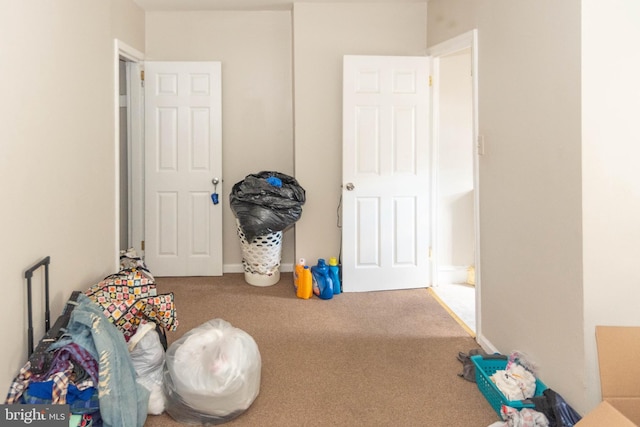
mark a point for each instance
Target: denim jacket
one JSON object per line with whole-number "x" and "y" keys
{"x": 123, "y": 402}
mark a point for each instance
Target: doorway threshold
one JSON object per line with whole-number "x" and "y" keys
{"x": 447, "y": 298}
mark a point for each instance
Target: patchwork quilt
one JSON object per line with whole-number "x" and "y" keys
{"x": 129, "y": 298}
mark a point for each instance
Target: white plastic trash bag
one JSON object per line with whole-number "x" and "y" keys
{"x": 211, "y": 374}
{"x": 147, "y": 355}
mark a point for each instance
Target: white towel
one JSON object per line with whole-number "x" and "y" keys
{"x": 516, "y": 383}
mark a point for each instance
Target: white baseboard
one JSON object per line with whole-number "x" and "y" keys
{"x": 486, "y": 344}
{"x": 452, "y": 274}
{"x": 286, "y": 268}
{"x": 232, "y": 268}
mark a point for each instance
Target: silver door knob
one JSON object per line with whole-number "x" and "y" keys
{"x": 349, "y": 186}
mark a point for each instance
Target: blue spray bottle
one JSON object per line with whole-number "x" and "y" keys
{"x": 321, "y": 276}
{"x": 334, "y": 273}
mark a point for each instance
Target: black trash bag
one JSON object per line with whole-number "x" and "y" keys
{"x": 262, "y": 206}
{"x": 556, "y": 409}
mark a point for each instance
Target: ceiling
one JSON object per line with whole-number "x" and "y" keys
{"x": 151, "y": 5}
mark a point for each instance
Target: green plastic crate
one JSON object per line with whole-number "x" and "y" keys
{"x": 487, "y": 367}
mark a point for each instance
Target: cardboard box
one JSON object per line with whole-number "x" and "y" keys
{"x": 619, "y": 362}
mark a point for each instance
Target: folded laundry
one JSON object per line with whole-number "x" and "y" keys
{"x": 515, "y": 382}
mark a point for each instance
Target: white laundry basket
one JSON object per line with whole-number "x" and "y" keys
{"x": 261, "y": 258}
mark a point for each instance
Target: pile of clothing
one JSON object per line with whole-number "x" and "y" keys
{"x": 518, "y": 382}
{"x": 109, "y": 359}
{"x": 525, "y": 417}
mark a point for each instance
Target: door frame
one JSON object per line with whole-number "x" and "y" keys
{"x": 135, "y": 147}
{"x": 468, "y": 40}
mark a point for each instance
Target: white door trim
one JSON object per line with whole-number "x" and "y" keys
{"x": 463, "y": 41}
{"x": 133, "y": 56}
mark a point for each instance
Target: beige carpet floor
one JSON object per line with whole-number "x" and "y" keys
{"x": 360, "y": 359}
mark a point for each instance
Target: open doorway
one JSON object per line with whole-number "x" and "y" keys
{"x": 123, "y": 174}
{"x": 128, "y": 147}
{"x": 455, "y": 206}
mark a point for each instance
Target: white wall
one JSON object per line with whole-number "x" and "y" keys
{"x": 610, "y": 171}
{"x": 558, "y": 111}
{"x": 455, "y": 164}
{"x": 128, "y": 23}
{"x": 57, "y": 153}
{"x": 530, "y": 178}
{"x": 323, "y": 34}
{"x": 257, "y": 109}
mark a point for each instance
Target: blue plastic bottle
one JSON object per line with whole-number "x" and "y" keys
{"x": 320, "y": 274}
{"x": 334, "y": 273}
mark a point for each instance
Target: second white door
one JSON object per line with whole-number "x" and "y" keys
{"x": 183, "y": 154}
{"x": 386, "y": 173}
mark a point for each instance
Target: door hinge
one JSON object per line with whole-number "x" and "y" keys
{"x": 142, "y": 245}
{"x": 430, "y": 80}
{"x": 142, "y": 75}
{"x": 430, "y": 252}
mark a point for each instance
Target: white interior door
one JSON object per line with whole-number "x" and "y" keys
{"x": 183, "y": 154}
{"x": 386, "y": 173}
